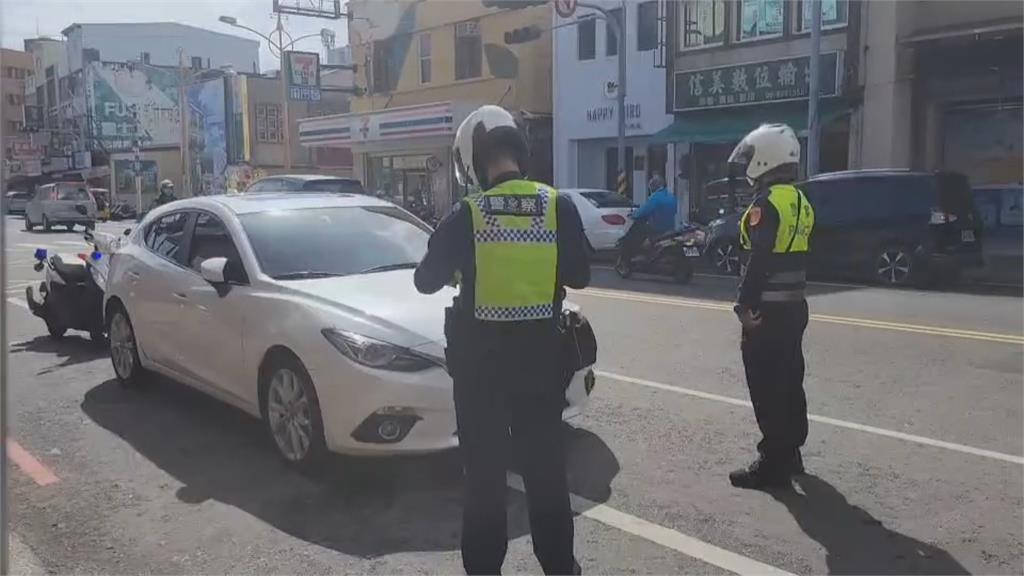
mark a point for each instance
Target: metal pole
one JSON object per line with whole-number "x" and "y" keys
{"x": 183, "y": 120}
{"x": 620, "y": 34}
{"x": 284, "y": 96}
{"x": 138, "y": 181}
{"x": 813, "y": 127}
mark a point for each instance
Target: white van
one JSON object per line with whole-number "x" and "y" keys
{"x": 61, "y": 204}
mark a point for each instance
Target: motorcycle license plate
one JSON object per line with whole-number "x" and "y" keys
{"x": 691, "y": 251}
{"x": 967, "y": 235}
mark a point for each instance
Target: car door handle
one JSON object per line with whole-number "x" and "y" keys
{"x": 180, "y": 296}
{"x": 134, "y": 275}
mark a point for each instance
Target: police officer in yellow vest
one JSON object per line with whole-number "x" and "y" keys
{"x": 512, "y": 249}
{"x": 771, "y": 307}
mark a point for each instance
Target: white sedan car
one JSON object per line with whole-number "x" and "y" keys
{"x": 605, "y": 215}
{"x": 300, "y": 310}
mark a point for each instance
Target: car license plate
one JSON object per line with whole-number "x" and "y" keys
{"x": 967, "y": 235}
{"x": 691, "y": 251}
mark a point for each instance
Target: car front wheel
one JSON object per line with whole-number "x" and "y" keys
{"x": 292, "y": 413}
{"x": 894, "y": 266}
{"x": 124, "y": 349}
{"x": 28, "y": 223}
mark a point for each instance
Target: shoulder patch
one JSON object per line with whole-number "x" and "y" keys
{"x": 755, "y": 215}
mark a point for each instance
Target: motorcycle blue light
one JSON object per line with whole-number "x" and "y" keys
{"x": 40, "y": 254}
{"x": 96, "y": 255}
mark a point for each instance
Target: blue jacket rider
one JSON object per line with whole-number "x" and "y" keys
{"x": 659, "y": 209}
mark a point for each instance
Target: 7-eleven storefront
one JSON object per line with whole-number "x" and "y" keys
{"x": 401, "y": 154}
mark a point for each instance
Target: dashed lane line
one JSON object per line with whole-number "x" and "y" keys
{"x": 913, "y": 438}
{"x": 667, "y": 537}
{"x": 848, "y": 321}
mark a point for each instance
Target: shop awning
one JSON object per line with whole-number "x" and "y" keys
{"x": 731, "y": 124}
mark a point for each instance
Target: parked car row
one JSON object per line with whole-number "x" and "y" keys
{"x": 887, "y": 226}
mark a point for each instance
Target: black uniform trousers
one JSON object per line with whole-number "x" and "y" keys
{"x": 773, "y": 359}
{"x": 509, "y": 397}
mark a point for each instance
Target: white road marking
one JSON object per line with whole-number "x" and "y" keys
{"x": 824, "y": 420}
{"x": 667, "y": 537}
{"x": 736, "y": 278}
{"x": 18, "y": 302}
{"x": 70, "y": 243}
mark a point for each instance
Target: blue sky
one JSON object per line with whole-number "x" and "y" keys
{"x": 20, "y": 19}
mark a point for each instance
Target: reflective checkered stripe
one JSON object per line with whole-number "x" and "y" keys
{"x": 516, "y": 250}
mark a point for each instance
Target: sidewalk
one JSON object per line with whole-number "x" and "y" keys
{"x": 23, "y": 561}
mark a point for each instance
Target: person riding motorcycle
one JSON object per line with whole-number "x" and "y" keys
{"x": 655, "y": 217}
{"x": 166, "y": 194}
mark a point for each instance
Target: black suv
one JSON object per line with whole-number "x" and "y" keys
{"x": 893, "y": 227}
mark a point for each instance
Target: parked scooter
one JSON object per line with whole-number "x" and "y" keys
{"x": 674, "y": 254}
{"x": 71, "y": 295}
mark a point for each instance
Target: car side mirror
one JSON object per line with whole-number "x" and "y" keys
{"x": 212, "y": 270}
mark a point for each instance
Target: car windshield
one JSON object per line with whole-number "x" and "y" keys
{"x": 606, "y": 199}
{"x": 76, "y": 194}
{"x": 339, "y": 185}
{"x": 322, "y": 242}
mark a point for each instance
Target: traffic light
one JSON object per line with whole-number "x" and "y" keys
{"x": 521, "y": 35}
{"x": 512, "y": 4}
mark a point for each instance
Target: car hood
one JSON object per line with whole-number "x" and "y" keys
{"x": 383, "y": 305}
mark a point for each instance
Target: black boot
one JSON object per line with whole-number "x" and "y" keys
{"x": 763, "y": 473}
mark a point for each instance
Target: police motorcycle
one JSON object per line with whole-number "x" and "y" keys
{"x": 70, "y": 297}
{"x": 674, "y": 254}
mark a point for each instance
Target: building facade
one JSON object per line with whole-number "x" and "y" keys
{"x": 919, "y": 84}
{"x": 159, "y": 44}
{"x": 585, "y": 76}
{"x": 18, "y": 157}
{"x": 107, "y": 88}
{"x": 425, "y": 65}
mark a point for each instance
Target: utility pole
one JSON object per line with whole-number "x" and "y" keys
{"x": 284, "y": 96}
{"x": 183, "y": 120}
{"x": 814, "y": 89}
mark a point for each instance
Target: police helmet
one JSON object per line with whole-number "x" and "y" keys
{"x": 765, "y": 149}
{"x": 487, "y": 131}
{"x": 165, "y": 184}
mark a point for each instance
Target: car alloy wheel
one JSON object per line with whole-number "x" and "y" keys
{"x": 727, "y": 258}
{"x": 289, "y": 416}
{"x": 894, "y": 266}
{"x": 124, "y": 353}
{"x": 46, "y": 223}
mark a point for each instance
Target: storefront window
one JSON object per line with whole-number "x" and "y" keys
{"x": 760, "y": 19}
{"x": 402, "y": 180}
{"x": 702, "y": 23}
{"x": 833, "y": 14}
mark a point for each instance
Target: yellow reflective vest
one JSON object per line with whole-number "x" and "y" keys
{"x": 796, "y": 220}
{"x": 516, "y": 251}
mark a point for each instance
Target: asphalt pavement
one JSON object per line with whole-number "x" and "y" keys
{"x": 914, "y": 457}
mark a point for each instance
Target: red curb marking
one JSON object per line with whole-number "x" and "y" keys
{"x": 29, "y": 465}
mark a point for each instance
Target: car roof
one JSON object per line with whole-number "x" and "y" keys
{"x": 265, "y": 202}
{"x": 308, "y": 177}
{"x": 870, "y": 173}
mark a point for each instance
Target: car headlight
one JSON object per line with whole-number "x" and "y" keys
{"x": 377, "y": 354}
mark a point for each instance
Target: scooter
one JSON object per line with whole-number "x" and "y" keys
{"x": 673, "y": 254}
{"x": 71, "y": 295}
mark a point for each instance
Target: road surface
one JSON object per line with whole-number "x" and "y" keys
{"x": 914, "y": 457}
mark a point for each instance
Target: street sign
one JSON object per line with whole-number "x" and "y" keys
{"x": 565, "y": 8}
{"x": 304, "y": 93}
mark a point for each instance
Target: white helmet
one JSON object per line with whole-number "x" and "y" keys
{"x": 765, "y": 149}
{"x": 485, "y": 130}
